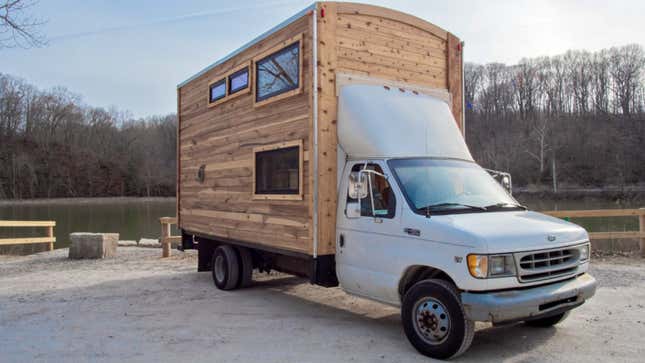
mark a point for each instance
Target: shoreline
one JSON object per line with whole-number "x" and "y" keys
{"x": 578, "y": 194}
{"x": 634, "y": 192}
{"x": 85, "y": 200}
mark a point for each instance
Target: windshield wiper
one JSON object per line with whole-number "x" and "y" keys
{"x": 443, "y": 205}
{"x": 506, "y": 205}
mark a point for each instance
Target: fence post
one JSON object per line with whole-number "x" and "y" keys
{"x": 165, "y": 240}
{"x": 50, "y": 234}
{"x": 641, "y": 224}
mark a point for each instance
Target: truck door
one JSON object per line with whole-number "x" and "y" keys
{"x": 368, "y": 231}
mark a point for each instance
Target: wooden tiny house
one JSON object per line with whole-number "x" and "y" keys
{"x": 257, "y": 130}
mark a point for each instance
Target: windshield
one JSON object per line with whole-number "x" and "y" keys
{"x": 436, "y": 186}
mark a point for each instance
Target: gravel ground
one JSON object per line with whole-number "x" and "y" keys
{"x": 138, "y": 307}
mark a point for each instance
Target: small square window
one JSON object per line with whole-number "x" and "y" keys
{"x": 217, "y": 90}
{"x": 238, "y": 81}
{"x": 277, "y": 172}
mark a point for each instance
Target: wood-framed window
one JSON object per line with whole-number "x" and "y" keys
{"x": 278, "y": 72}
{"x": 278, "y": 171}
{"x": 235, "y": 83}
{"x": 216, "y": 91}
{"x": 239, "y": 80}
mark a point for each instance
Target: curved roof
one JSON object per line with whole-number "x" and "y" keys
{"x": 343, "y": 7}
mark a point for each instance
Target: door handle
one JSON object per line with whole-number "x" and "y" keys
{"x": 412, "y": 231}
{"x": 341, "y": 241}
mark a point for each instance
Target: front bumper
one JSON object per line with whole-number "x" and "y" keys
{"x": 522, "y": 304}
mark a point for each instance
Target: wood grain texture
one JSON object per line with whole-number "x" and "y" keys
{"x": 27, "y": 223}
{"x": 178, "y": 147}
{"x": 404, "y": 21}
{"x": 327, "y": 129}
{"x": 223, "y": 139}
{"x": 353, "y": 39}
{"x": 26, "y": 240}
{"x": 383, "y": 44}
{"x": 597, "y": 213}
{"x": 455, "y": 83}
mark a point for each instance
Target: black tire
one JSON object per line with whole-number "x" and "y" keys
{"x": 246, "y": 267}
{"x": 434, "y": 320}
{"x": 548, "y": 321}
{"x": 226, "y": 268}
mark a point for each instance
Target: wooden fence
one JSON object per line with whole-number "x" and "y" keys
{"x": 166, "y": 236}
{"x": 167, "y": 222}
{"x": 48, "y": 225}
{"x": 637, "y": 213}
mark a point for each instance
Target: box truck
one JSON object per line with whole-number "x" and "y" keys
{"x": 332, "y": 147}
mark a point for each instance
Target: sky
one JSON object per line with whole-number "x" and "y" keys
{"x": 131, "y": 54}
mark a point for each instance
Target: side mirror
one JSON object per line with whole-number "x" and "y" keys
{"x": 504, "y": 179}
{"x": 506, "y": 183}
{"x": 357, "y": 185}
{"x": 353, "y": 210}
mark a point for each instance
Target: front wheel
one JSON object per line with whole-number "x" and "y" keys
{"x": 434, "y": 320}
{"x": 548, "y": 321}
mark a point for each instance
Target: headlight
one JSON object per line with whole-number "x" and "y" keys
{"x": 585, "y": 251}
{"x": 483, "y": 266}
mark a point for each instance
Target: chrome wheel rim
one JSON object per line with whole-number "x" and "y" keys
{"x": 431, "y": 320}
{"x": 219, "y": 268}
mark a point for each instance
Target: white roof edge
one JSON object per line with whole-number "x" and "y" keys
{"x": 260, "y": 37}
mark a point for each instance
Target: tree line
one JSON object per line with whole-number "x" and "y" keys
{"x": 52, "y": 145}
{"x": 576, "y": 119}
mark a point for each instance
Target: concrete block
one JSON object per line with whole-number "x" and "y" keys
{"x": 93, "y": 245}
{"x": 148, "y": 242}
{"x": 127, "y": 243}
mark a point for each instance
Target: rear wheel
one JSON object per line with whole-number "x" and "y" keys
{"x": 434, "y": 320}
{"x": 226, "y": 268}
{"x": 548, "y": 321}
{"x": 246, "y": 267}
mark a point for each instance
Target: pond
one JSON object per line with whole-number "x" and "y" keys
{"x": 136, "y": 218}
{"x": 132, "y": 218}
{"x": 596, "y": 224}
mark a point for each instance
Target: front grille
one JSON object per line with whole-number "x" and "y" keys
{"x": 546, "y": 264}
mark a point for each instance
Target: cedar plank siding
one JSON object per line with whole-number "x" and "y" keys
{"x": 223, "y": 137}
{"x": 352, "y": 38}
{"x": 382, "y": 43}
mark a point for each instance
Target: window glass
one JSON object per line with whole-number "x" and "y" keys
{"x": 447, "y": 185}
{"x": 381, "y": 193}
{"x": 217, "y": 90}
{"x": 277, "y": 171}
{"x": 238, "y": 80}
{"x": 278, "y": 73}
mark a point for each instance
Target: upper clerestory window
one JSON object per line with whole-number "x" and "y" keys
{"x": 238, "y": 81}
{"x": 217, "y": 90}
{"x": 278, "y": 73}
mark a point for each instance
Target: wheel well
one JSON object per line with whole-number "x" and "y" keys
{"x": 414, "y": 274}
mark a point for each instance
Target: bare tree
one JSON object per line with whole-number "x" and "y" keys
{"x": 626, "y": 69}
{"x": 588, "y": 109}
{"x": 17, "y": 27}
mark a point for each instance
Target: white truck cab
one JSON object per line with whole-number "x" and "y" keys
{"x": 420, "y": 225}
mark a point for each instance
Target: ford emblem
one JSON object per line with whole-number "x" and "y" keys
{"x": 551, "y": 238}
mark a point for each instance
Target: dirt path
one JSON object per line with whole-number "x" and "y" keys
{"x": 138, "y": 307}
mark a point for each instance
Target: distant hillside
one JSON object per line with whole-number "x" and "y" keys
{"x": 52, "y": 145}
{"x": 580, "y": 114}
